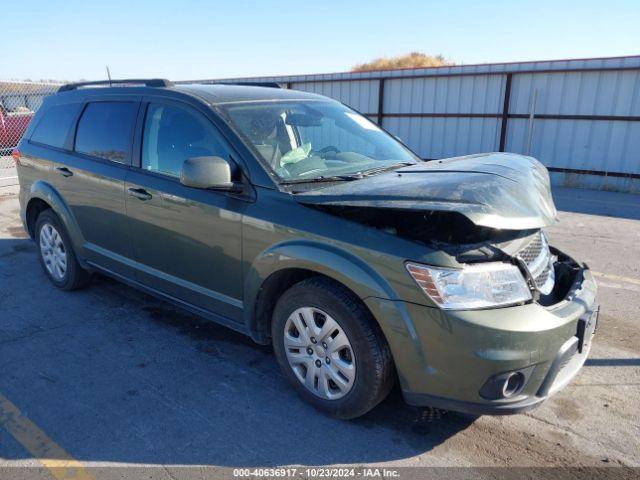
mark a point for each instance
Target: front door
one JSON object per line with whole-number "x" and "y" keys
{"x": 187, "y": 241}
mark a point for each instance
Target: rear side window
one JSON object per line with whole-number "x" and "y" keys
{"x": 105, "y": 130}
{"x": 54, "y": 126}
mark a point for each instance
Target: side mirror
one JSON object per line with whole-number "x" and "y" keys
{"x": 207, "y": 172}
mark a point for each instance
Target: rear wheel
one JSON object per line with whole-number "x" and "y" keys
{"x": 56, "y": 254}
{"x": 330, "y": 349}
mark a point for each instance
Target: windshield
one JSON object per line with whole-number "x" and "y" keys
{"x": 307, "y": 140}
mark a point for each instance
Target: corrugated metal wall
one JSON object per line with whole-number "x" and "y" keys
{"x": 586, "y": 126}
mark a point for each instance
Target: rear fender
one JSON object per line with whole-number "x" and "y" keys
{"x": 44, "y": 191}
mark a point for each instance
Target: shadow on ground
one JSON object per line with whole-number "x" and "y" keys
{"x": 114, "y": 375}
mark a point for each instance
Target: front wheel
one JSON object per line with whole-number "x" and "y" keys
{"x": 330, "y": 349}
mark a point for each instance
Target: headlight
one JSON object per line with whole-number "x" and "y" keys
{"x": 475, "y": 286}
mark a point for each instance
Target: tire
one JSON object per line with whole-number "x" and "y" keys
{"x": 354, "y": 391}
{"x": 53, "y": 244}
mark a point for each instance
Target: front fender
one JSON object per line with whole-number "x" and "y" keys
{"x": 325, "y": 259}
{"x": 46, "y": 192}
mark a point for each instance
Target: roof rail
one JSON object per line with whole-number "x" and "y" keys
{"x": 251, "y": 84}
{"x": 152, "y": 82}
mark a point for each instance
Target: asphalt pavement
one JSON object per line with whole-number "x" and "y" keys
{"x": 107, "y": 376}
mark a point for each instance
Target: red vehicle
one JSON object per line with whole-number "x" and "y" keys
{"x": 12, "y": 126}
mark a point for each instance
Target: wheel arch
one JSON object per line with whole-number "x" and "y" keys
{"x": 285, "y": 264}
{"x": 42, "y": 196}
{"x": 34, "y": 208}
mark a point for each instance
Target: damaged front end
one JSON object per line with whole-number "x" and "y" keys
{"x": 478, "y": 209}
{"x": 496, "y": 190}
{"x": 514, "y": 316}
{"x": 549, "y": 274}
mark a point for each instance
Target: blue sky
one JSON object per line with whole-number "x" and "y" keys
{"x": 69, "y": 40}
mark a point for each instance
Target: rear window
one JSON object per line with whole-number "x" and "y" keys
{"x": 53, "y": 127}
{"x": 105, "y": 129}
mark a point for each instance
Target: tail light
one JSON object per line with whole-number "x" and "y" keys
{"x": 16, "y": 156}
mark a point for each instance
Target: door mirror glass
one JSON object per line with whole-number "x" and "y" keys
{"x": 207, "y": 172}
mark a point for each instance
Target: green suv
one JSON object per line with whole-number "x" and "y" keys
{"x": 293, "y": 219}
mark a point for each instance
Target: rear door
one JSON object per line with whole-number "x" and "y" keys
{"x": 187, "y": 241}
{"x": 91, "y": 179}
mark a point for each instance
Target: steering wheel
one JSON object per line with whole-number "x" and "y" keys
{"x": 324, "y": 151}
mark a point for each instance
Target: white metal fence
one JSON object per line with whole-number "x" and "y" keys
{"x": 581, "y": 118}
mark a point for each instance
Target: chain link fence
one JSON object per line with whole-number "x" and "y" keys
{"x": 18, "y": 103}
{"x": 7, "y": 172}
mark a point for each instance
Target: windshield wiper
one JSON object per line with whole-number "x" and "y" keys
{"x": 333, "y": 178}
{"x": 348, "y": 177}
{"x": 393, "y": 166}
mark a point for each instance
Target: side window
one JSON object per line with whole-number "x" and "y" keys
{"x": 105, "y": 129}
{"x": 173, "y": 134}
{"x": 53, "y": 127}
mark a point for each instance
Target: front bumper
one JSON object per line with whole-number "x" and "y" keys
{"x": 444, "y": 358}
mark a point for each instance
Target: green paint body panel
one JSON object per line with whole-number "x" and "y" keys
{"x": 451, "y": 353}
{"x": 213, "y": 251}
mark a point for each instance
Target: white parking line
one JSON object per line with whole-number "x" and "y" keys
{"x": 617, "y": 282}
{"x": 619, "y": 278}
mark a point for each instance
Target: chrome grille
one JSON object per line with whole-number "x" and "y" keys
{"x": 543, "y": 277}
{"x": 537, "y": 257}
{"x": 532, "y": 251}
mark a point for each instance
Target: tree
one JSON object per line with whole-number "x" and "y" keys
{"x": 411, "y": 60}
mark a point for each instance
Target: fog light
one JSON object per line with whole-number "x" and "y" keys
{"x": 506, "y": 384}
{"x": 512, "y": 384}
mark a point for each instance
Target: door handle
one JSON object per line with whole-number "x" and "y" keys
{"x": 140, "y": 193}
{"x": 64, "y": 171}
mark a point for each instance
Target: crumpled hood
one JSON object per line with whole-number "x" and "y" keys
{"x": 496, "y": 190}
